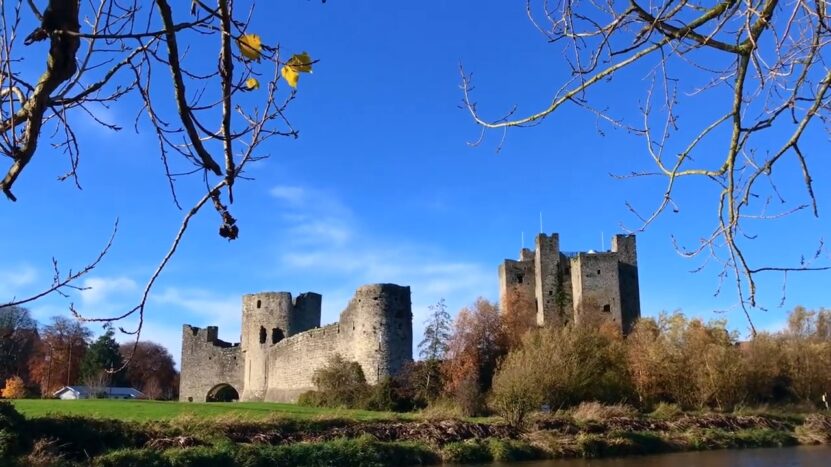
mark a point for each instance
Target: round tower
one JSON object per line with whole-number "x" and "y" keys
{"x": 380, "y": 317}
{"x": 265, "y": 321}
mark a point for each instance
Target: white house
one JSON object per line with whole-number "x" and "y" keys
{"x": 85, "y": 392}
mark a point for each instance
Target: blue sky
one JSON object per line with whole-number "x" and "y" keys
{"x": 383, "y": 185}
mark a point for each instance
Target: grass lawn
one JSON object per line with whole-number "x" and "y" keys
{"x": 157, "y": 410}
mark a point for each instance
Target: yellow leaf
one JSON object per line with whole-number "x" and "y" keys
{"x": 252, "y": 84}
{"x": 298, "y": 63}
{"x": 301, "y": 63}
{"x": 251, "y": 46}
{"x": 290, "y": 75}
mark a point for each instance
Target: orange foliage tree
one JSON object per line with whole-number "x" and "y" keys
{"x": 14, "y": 388}
{"x": 518, "y": 317}
{"x": 477, "y": 344}
{"x": 57, "y": 362}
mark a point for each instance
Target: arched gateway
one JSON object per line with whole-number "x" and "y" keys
{"x": 222, "y": 393}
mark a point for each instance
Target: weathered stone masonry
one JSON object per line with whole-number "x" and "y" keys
{"x": 282, "y": 344}
{"x": 573, "y": 287}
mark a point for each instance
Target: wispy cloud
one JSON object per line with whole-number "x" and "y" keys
{"x": 105, "y": 290}
{"x": 336, "y": 246}
{"x": 13, "y": 280}
{"x": 201, "y": 307}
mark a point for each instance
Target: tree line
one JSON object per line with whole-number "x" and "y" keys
{"x": 38, "y": 359}
{"x": 486, "y": 362}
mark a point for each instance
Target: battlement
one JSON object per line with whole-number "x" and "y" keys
{"x": 208, "y": 334}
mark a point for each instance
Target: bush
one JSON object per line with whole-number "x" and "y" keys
{"x": 124, "y": 457}
{"x": 388, "y": 396}
{"x": 563, "y": 367}
{"x": 339, "y": 383}
{"x": 361, "y": 451}
{"x": 597, "y": 412}
{"x": 12, "y": 425}
{"x": 516, "y": 391}
{"x": 81, "y": 437}
{"x": 506, "y": 450}
{"x": 466, "y": 452}
{"x": 201, "y": 456}
{"x": 815, "y": 430}
{"x": 14, "y": 388}
{"x": 666, "y": 411}
{"x": 311, "y": 399}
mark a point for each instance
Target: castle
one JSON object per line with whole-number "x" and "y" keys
{"x": 282, "y": 344}
{"x": 573, "y": 287}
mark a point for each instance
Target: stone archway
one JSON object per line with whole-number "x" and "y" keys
{"x": 222, "y": 393}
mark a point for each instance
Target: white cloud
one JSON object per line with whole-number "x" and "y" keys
{"x": 101, "y": 290}
{"x": 293, "y": 195}
{"x": 204, "y": 307}
{"x": 325, "y": 240}
{"x": 14, "y": 279}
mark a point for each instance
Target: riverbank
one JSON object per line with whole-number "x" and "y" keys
{"x": 188, "y": 440}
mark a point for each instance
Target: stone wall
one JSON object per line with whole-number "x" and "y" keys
{"x": 375, "y": 330}
{"x": 595, "y": 288}
{"x": 207, "y": 362}
{"x": 267, "y": 319}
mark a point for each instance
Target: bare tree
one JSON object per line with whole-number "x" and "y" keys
{"x": 757, "y": 70}
{"x": 137, "y": 55}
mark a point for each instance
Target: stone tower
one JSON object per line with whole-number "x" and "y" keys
{"x": 630, "y": 298}
{"x": 268, "y": 318}
{"x": 378, "y": 320}
{"x": 573, "y": 287}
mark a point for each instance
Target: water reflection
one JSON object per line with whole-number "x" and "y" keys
{"x": 801, "y": 456}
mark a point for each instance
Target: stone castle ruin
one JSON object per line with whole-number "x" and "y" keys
{"x": 573, "y": 287}
{"x": 282, "y": 344}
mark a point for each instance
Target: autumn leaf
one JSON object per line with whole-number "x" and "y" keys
{"x": 252, "y": 84}
{"x": 298, "y": 63}
{"x": 251, "y": 46}
{"x": 302, "y": 63}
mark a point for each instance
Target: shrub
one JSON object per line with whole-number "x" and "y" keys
{"x": 123, "y": 457}
{"x": 201, "y": 456}
{"x": 506, "y": 450}
{"x": 14, "y": 388}
{"x": 466, "y": 452}
{"x": 311, "y": 399}
{"x": 666, "y": 411}
{"x": 12, "y": 425}
{"x": 361, "y": 451}
{"x": 388, "y": 395}
{"x": 574, "y": 363}
{"x": 516, "y": 390}
{"x": 597, "y": 412}
{"x": 815, "y": 430}
{"x": 81, "y": 437}
{"x": 339, "y": 383}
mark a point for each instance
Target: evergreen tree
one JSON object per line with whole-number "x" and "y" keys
{"x": 103, "y": 357}
{"x": 432, "y": 349}
{"x": 436, "y": 334}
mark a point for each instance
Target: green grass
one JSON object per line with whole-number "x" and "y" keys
{"x": 157, "y": 410}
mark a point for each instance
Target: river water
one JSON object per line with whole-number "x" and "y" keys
{"x": 801, "y": 456}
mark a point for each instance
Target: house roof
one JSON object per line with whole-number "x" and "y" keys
{"x": 113, "y": 391}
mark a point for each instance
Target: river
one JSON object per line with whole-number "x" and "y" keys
{"x": 800, "y": 456}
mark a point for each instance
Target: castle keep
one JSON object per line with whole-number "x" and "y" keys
{"x": 573, "y": 287}
{"x": 282, "y": 344}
